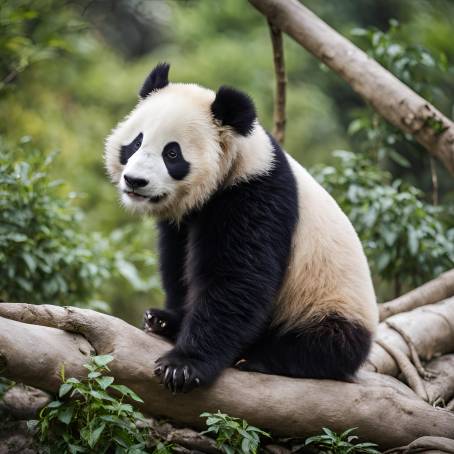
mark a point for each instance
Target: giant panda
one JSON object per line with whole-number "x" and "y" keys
{"x": 261, "y": 268}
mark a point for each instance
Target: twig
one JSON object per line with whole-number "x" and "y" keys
{"x": 281, "y": 83}
{"x": 433, "y": 171}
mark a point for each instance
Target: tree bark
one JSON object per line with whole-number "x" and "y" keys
{"x": 430, "y": 328}
{"x": 36, "y": 340}
{"x": 435, "y": 290}
{"x": 394, "y": 100}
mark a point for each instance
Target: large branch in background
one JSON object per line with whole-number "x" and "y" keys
{"x": 435, "y": 290}
{"x": 394, "y": 100}
{"x": 35, "y": 342}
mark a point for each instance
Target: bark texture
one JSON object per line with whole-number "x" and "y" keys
{"x": 35, "y": 342}
{"x": 394, "y": 100}
{"x": 430, "y": 329}
{"x": 435, "y": 290}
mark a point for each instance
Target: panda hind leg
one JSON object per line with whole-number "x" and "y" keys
{"x": 332, "y": 348}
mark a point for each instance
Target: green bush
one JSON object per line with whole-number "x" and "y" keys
{"x": 404, "y": 237}
{"x": 331, "y": 443}
{"x": 233, "y": 435}
{"x": 44, "y": 257}
{"x": 87, "y": 419}
{"x": 46, "y": 254}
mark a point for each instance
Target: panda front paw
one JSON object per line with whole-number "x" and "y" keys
{"x": 161, "y": 322}
{"x": 180, "y": 373}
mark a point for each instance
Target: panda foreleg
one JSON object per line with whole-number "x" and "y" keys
{"x": 213, "y": 335}
{"x": 172, "y": 243}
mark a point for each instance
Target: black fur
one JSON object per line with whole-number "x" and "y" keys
{"x": 126, "y": 151}
{"x": 176, "y": 165}
{"x": 157, "y": 79}
{"x": 234, "y": 108}
{"x": 222, "y": 269}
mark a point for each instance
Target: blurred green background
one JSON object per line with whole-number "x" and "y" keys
{"x": 70, "y": 70}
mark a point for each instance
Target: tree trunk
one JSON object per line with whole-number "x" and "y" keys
{"x": 394, "y": 100}
{"x": 35, "y": 342}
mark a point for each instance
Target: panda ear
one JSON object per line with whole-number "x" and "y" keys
{"x": 158, "y": 78}
{"x": 234, "y": 108}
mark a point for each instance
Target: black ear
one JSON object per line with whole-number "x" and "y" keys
{"x": 158, "y": 78}
{"x": 234, "y": 108}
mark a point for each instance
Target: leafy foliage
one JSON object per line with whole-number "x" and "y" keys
{"x": 233, "y": 435}
{"x": 28, "y": 36}
{"x": 412, "y": 64}
{"x": 87, "y": 419}
{"x": 45, "y": 255}
{"x": 44, "y": 258}
{"x": 331, "y": 443}
{"x": 403, "y": 236}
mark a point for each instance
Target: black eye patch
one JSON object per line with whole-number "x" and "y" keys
{"x": 176, "y": 165}
{"x": 127, "y": 151}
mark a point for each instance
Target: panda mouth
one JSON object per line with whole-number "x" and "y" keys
{"x": 140, "y": 197}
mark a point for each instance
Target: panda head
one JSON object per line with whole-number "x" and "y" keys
{"x": 178, "y": 145}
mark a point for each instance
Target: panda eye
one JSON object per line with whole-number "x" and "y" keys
{"x": 137, "y": 143}
{"x": 171, "y": 151}
{"x": 171, "y": 154}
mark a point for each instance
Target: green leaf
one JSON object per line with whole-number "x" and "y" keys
{"x": 94, "y": 436}
{"x": 101, "y": 395}
{"x": 65, "y": 414}
{"x": 104, "y": 382}
{"x": 102, "y": 360}
{"x": 64, "y": 389}
{"x": 127, "y": 392}
{"x": 54, "y": 404}
{"x": 245, "y": 445}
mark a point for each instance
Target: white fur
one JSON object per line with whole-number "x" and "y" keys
{"x": 328, "y": 270}
{"x": 182, "y": 113}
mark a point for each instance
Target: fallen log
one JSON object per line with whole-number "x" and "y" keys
{"x": 391, "y": 98}
{"x": 433, "y": 291}
{"x": 36, "y": 340}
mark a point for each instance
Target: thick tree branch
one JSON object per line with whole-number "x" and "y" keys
{"x": 32, "y": 351}
{"x": 394, "y": 100}
{"x": 435, "y": 290}
{"x": 430, "y": 328}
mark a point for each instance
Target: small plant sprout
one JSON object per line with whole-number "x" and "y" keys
{"x": 87, "y": 419}
{"x": 233, "y": 435}
{"x": 331, "y": 443}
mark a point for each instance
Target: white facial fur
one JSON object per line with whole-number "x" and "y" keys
{"x": 182, "y": 113}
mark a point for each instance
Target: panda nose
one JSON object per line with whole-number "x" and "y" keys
{"x": 134, "y": 182}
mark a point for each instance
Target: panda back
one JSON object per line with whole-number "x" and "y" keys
{"x": 328, "y": 271}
